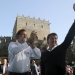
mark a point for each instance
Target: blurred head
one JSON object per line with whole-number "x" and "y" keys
{"x": 5, "y": 61}
{"x": 33, "y": 62}
{"x": 52, "y": 39}
{"x": 21, "y": 35}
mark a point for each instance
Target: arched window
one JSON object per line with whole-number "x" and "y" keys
{"x": 41, "y": 26}
{"x": 44, "y": 38}
{"x": 26, "y": 23}
{"x": 34, "y": 25}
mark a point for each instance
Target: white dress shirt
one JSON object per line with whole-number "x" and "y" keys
{"x": 36, "y": 68}
{"x": 19, "y": 56}
{"x": 51, "y": 49}
{"x": 4, "y": 68}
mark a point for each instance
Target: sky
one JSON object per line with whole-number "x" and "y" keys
{"x": 59, "y": 13}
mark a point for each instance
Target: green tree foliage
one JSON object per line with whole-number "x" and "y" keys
{"x": 70, "y": 54}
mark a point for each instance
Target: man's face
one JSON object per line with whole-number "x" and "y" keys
{"x": 5, "y": 61}
{"x": 23, "y": 36}
{"x": 52, "y": 41}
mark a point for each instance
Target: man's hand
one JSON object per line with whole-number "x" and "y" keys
{"x": 74, "y": 6}
{"x": 33, "y": 35}
{"x": 32, "y": 39}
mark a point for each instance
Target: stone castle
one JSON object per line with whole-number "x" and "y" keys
{"x": 29, "y": 24}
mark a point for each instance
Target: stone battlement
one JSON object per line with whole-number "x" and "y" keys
{"x": 28, "y": 17}
{"x": 5, "y": 39}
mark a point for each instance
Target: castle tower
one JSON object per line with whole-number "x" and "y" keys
{"x": 30, "y": 24}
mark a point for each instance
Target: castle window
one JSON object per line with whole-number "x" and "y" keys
{"x": 41, "y": 26}
{"x": 26, "y": 23}
{"x": 34, "y": 25}
{"x": 44, "y": 38}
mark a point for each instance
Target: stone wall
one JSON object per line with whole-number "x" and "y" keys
{"x": 4, "y": 42}
{"x": 30, "y": 24}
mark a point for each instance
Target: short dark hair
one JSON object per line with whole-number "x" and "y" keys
{"x": 19, "y": 32}
{"x": 50, "y": 35}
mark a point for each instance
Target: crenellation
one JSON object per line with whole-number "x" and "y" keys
{"x": 33, "y": 17}
{"x": 39, "y": 18}
{"x": 22, "y": 15}
{"x": 28, "y": 17}
{"x": 5, "y": 39}
{"x": 43, "y": 19}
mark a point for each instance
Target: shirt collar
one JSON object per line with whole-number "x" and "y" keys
{"x": 51, "y": 49}
{"x": 18, "y": 42}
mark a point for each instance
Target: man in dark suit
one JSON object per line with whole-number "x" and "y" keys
{"x": 53, "y": 59}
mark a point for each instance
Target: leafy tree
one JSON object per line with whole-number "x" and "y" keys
{"x": 70, "y": 54}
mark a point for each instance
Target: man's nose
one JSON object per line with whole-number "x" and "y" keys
{"x": 25, "y": 35}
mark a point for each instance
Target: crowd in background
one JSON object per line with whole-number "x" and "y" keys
{"x": 70, "y": 69}
{"x": 35, "y": 69}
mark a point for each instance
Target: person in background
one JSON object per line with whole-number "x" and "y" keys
{"x": 34, "y": 68}
{"x": 5, "y": 67}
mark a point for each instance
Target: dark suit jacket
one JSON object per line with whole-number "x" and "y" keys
{"x": 33, "y": 70}
{"x": 1, "y": 68}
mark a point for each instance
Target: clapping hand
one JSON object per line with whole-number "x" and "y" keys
{"x": 32, "y": 39}
{"x": 33, "y": 35}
